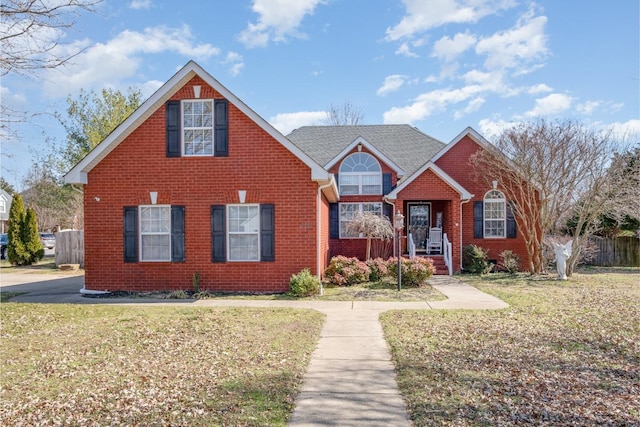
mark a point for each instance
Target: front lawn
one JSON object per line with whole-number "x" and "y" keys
{"x": 564, "y": 353}
{"x": 81, "y": 365}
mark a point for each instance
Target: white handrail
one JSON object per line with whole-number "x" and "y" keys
{"x": 412, "y": 246}
{"x": 447, "y": 253}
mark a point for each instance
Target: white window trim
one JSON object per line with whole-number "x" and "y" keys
{"x": 229, "y": 232}
{"x": 183, "y": 129}
{"x": 360, "y": 205}
{"x": 360, "y": 176}
{"x": 140, "y": 233}
{"x": 486, "y": 201}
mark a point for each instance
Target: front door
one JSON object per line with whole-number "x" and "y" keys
{"x": 418, "y": 224}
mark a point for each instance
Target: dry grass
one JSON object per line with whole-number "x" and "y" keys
{"x": 563, "y": 354}
{"x": 80, "y": 365}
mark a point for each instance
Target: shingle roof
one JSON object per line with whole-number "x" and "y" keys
{"x": 405, "y": 145}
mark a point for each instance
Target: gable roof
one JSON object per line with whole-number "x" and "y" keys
{"x": 78, "y": 174}
{"x": 404, "y": 146}
{"x": 471, "y": 133}
{"x": 464, "y": 194}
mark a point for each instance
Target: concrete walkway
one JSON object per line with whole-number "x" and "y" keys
{"x": 350, "y": 380}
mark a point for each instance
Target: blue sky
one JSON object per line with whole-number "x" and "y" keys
{"x": 440, "y": 65}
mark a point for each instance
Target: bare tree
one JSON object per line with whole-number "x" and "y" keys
{"x": 344, "y": 115}
{"x": 31, "y": 31}
{"x": 553, "y": 171}
{"x": 372, "y": 226}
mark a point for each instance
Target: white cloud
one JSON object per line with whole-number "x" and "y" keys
{"x": 287, "y": 122}
{"x": 108, "y": 64}
{"x": 627, "y": 130}
{"x": 391, "y": 84}
{"x": 11, "y": 99}
{"x": 520, "y": 45}
{"x": 423, "y": 15}
{"x": 491, "y": 129}
{"x": 551, "y": 104}
{"x": 539, "y": 88}
{"x": 140, "y": 4}
{"x": 473, "y": 105}
{"x": 429, "y": 103}
{"x": 149, "y": 87}
{"x": 235, "y": 61}
{"x": 448, "y": 49}
{"x": 277, "y": 19}
{"x": 588, "y": 107}
{"x": 405, "y": 50}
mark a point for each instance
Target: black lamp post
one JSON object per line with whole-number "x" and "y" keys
{"x": 398, "y": 223}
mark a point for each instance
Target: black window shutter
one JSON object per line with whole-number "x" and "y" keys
{"x": 221, "y": 119}
{"x": 334, "y": 221}
{"x": 386, "y": 183}
{"x": 218, "y": 234}
{"x": 267, "y": 233}
{"x": 478, "y": 220}
{"x": 387, "y": 210}
{"x": 177, "y": 234}
{"x": 130, "y": 219}
{"x": 173, "y": 129}
{"x": 512, "y": 227}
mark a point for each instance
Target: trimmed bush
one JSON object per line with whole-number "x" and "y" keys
{"x": 344, "y": 271}
{"x": 378, "y": 269}
{"x": 304, "y": 284}
{"x": 415, "y": 272}
{"x": 475, "y": 260}
{"x": 510, "y": 261}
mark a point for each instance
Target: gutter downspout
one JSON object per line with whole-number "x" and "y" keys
{"x": 460, "y": 231}
{"x": 318, "y": 229}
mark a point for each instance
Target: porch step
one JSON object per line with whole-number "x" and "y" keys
{"x": 438, "y": 263}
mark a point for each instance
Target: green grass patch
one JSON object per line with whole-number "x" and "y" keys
{"x": 78, "y": 365}
{"x": 564, "y": 353}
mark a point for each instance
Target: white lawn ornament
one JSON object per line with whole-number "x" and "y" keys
{"x": 562, "y": 253}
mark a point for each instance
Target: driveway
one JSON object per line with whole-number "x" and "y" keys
{"x": 44, "y": 287}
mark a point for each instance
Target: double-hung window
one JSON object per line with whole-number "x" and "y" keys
{"x": 360, "y": 173}
{"x": 155, "y": 233}
{"x": 197, "y": 127}
{"x": 347, "y": 210}
{"x": 495, "y": 215}
{"x": 243, "y": 223}
{"x": 243, "y": 232}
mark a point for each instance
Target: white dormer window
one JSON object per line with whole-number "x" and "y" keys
{"x": 197, "y": 127}
{"x": 360, "y": 173}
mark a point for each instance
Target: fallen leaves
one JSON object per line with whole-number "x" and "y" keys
{"x": 562, "y": 354}
{"x": 106, "y": 365}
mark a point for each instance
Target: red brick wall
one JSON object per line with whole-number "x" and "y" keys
{"x": 455, "y": 162}
{"x": 256, "y": 163}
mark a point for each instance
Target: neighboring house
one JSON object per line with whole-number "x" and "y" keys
{"x": 194, "y": 181}
{"x": 5, "y": 205}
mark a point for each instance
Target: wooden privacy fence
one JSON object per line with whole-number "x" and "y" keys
{"x": 617, "y": 252}
{"x": 70, "y": 247}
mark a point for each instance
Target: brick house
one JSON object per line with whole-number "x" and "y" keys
{"x": 194, "y": 181}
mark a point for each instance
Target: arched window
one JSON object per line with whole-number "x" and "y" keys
{"x": 360, "y": 173}
{"x": 495, "y": 214}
